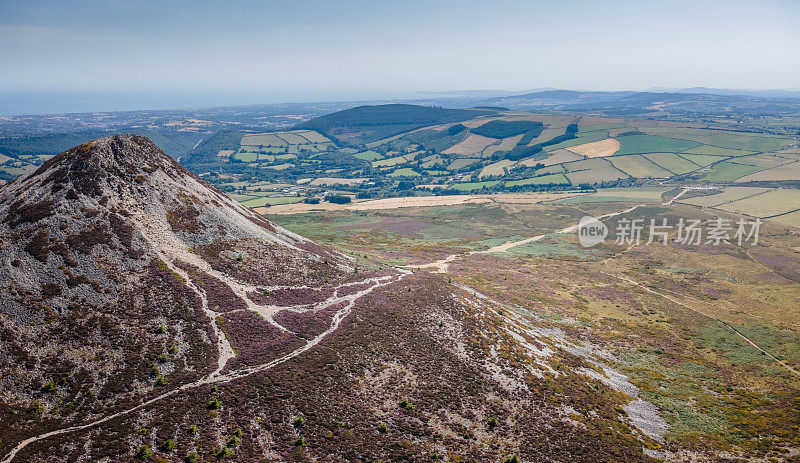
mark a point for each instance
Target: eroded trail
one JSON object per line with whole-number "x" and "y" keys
{"x": 226, "y": 351}
{"x": 442, "y": 265}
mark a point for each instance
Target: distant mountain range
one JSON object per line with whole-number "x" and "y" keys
{"x": 773, "y": 93}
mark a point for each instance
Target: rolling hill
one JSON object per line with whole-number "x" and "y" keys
{"x": 364, "y": 124}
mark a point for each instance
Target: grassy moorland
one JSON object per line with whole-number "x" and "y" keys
{"x": 708, "y": 334}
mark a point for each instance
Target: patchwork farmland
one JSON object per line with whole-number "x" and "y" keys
{"x": 403, "y": 150}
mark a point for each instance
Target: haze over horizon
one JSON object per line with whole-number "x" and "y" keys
{"x": 100, "y": 55}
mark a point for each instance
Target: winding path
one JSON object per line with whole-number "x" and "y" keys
{"x": 442, "y": 265}
{"x": 226, "y": 353}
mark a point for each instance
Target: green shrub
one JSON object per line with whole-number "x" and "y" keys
{"x": 456, "y": 129}
{"x": 298, "y": 422}
{"x": 190, "y": 457}
{"x": 144, "y": 452}
{"x": 215, "y": 404}
{"x": 382, "y": 427}
{"x": 492, "y": 422}
{"x": 36, "y": 408}
{"x": 511, "y": 459}
{"x": 49, "y": 387}
{"x": 223, "y": 452}
{"x": 300, "y": 441}
{"x": 338, "y": 199}
{"x": 168, "y": 445}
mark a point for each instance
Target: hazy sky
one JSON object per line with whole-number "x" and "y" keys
{"x": 354, "y": 48}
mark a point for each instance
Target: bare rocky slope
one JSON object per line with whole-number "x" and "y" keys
{"x": 144, "y": 315}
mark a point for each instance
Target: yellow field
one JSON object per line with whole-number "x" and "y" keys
{"x": 767, "y": 204}
{"x": 419, "y": 201}
{"x": 312, "y": 136}
{"x": 496, "y": 168}
{"x": 556, "y": 157}
{"x": 729, "y": 195}
{"x": 785, "y": 172}
{"x": 336, "y": 181}
{"x": 473, "y": 144}
{"x": 547, "y": 134}
{"x": 597, "y": 149}
{"x": 792, "y": 219}
{"x": 505, "y": 144}
{"x": 292, "y": 138}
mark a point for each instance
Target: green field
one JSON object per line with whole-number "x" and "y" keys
{"x": 638, "y": 166}
{"x": 741, "y": 141}
{"x": 729, "y": 171}
{"x": 272, "y": 201}
{"x": 550, "y": 179}
{"x": 759, "y": 143}
{"x": 595, "y": 163}
{"x": 389, "y": 162}
{"x": 717, "y": 151}
{"x": 639, "y": 144}
{"x": 593, "y": 176}
{"x": 785, "y": 172}
{"x": 246, "y": 157}
{"x": 368, "y": 156}
{"x": 554, "y": 169}
{"x": 592, "y": 171}
{"x": 700, "y": 159}
{"x": 405, "y": 172}
{"x": 672, "y": 162}
{"x": 461, "y": 163}
{"x": 595, "y": 127}
{"x": 265, "y": 139}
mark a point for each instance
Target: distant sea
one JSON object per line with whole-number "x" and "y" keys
{"x": 59, "y": 102}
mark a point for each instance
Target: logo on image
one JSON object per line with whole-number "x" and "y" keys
{"x": 591, "y": 231}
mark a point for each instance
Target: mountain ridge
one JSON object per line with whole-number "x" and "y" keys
{"x": 130, "y": 282}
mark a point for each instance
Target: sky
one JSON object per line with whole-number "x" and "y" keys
{"x": 200, "y": 52}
